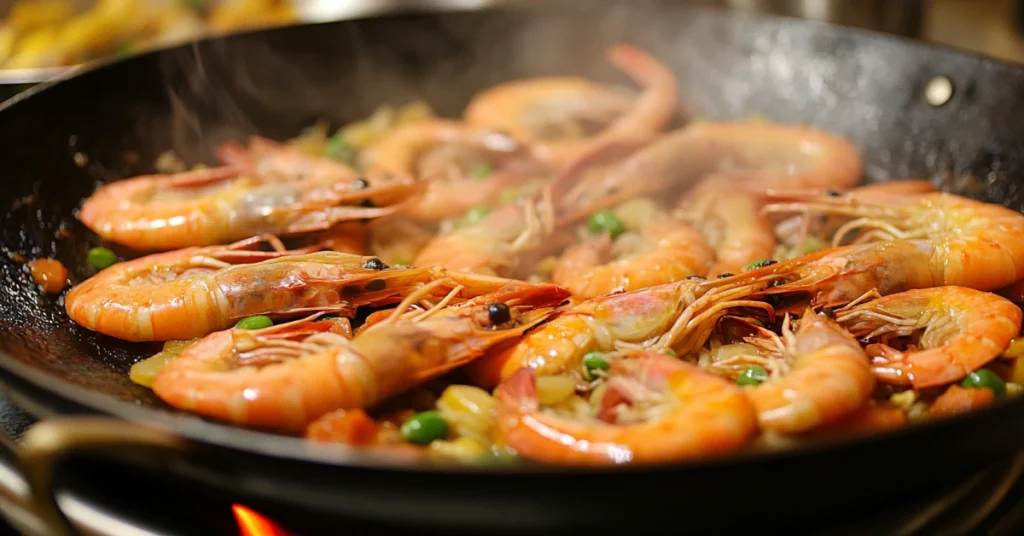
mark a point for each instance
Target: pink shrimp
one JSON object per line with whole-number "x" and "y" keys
{"x": 264, "y": 378}
{"x": 668, "y": 251}
{"x": 464, "y": 167}
{"x": 268, "y": 188}
{"x": 566, "y": 116}
{"x": 702, "y": 416}
{"x": 961, "y": 330}
{"x": 191, "y": 292}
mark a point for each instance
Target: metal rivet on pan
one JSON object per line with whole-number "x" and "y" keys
{"x": 938, "y": 91}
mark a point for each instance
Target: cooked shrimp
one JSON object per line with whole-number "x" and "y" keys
{"x": 870, "y": 418}
{"x": 929, "y": 240}
{"x": 961, "y": 330}
{"x": 829, "y": 379}
{"x": 729, "y": 219}
{"x": 676, "y": 316}
{"x": 565, "y": 116}
{"x": 266, "y": 378}
{"x": 668, "y": 251}
{"x": 191, "y": 292}
{"x": 263, "y": 190}
{"x": 771, "y": 155}
{"x": 464, "y": 167}
{"x": 684, "y": 413}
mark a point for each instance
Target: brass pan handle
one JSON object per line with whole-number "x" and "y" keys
{"x": 46, "y": 442}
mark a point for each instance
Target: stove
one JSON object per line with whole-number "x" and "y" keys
{"x": 102, "y": 500}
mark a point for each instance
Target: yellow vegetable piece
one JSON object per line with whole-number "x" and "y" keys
{"x": 176, "y": 347}
{"x": 27, "y": 15}
{"x": 145, "y": 371}
{"x": 1016, "y": 349}
{"x": 1017, "y": 371}
{"x": 462, "y": 449}
{"x": 555, "y": 389}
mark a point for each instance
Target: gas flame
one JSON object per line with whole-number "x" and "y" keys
{"x": 254, "y": 524}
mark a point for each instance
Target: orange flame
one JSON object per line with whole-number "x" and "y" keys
{"x": 253, "y": 524}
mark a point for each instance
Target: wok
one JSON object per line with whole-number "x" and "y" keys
{"x": 914, "y": 110}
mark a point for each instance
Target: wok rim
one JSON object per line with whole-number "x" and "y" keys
{"x": 207, "y": 433}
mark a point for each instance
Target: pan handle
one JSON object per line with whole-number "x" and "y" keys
{"x": 47, "y": 442}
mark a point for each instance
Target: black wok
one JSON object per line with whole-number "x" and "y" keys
{"x": 868, "y": 87}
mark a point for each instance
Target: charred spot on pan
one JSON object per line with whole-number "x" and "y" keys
{"x": 374, "y": 264}
{"x": 376, "y": 284}
{"x": 498, "y": 314}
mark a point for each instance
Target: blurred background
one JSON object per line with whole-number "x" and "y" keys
{"x": 40, "y": 37}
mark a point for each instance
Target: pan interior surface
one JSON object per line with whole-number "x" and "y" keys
{"x": 113, "y": 122}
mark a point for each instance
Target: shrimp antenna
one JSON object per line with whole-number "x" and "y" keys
{"x": 440, "y": 305}
{"x": 413, "y": 297}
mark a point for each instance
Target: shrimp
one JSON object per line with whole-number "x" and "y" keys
{"x": 464, "y": 167}
{"x": 963, "y": 330}
{"x": 287, "y": 192}
{"x": 684, "y": 413}
{"x": 830, "y": 379}
{"x": 958, "y": 400}
{"x": 565, "y": 116}
{"x": 768, "y": 155}
{"x": 266, "y": 378}
{"x": 927, "y": 240}
{"x": 729, "y": 219}
{"x": 668, "y": 250}
{"x": 870, "y": 418}
{"x": 191, "y": 292}
{"x": 498, "y": 244}
{"x": 675, "y": 316}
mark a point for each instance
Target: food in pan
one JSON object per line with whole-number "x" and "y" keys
{"x": 570, "y": 273}
{"x": 55, "y": 33}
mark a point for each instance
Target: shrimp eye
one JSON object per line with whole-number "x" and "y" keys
{"x": 829, "y": 312}
{"x": 698, "y": 277}
{"x": 498, "y": 313}
{"x": 833, "y": 193}
{"x": 362, "y": 184}
{"x": 724, "y": 275}
{"x": 374, "y": 264}
{"x": 367, "y": 203}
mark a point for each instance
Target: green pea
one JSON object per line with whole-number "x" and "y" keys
{"x": 476, "y": 214}
{"x": 985, "y": 378}
{"x": 425, "y": 427}
{"x": 760, "y": 264}
{"x": 594, "y": 361}
{"x": 401, "y": 262}
{"x": 753, "y": 375}
{"x": 100, "y": 258}
{"x": 604, "y": 221}
{"x": 481, "y": 170}
{"x": 255, "y": 322}
{"x": 338, "y": 148}
{"x": 670, "y": 352}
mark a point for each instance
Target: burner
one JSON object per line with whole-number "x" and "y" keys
{"x": 103, "y": 500}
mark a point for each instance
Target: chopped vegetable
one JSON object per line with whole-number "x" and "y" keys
{"x": 476, "y": 214}
{"x": 49, "y": 274}
{"x": 100, "y": 258}
{"x": 424, "y": 428}
{"x": 463, "y": 449}
{"x": 339, "y": 148}
{"x": 1016, "y": 348}
{"x": 554, "y": 389}
{"x": 594, "y": 361}
{"x": 753, "y": 375}
{"x": 481, "y": 170}
{"x": 604, "y": 221}
{"x": 985, "y": 378}
{"x": 145, "y": 371}
{"x": 255, "y": 322}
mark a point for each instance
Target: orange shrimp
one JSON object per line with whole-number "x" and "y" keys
{"x": 961, "y": 330}
{"x": 870, "y": 418}
{"x": 266, "y": 378}
{"x": 565, "y": 116}
{"x": 690, "y": 414}
{"x": 668, "y": 251}
{"x": 928, "y": 240}
{"x": 830, "y": 379}
{"x": 768, "y": 155}
{"x": 958, "y": 400}
{"x": 465, "y": 167}
{"x": 729, "y": 218}
{"x": 268, "y": 189}
{"x": 188, "y": 293}
{"x": 676, "y": 316}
